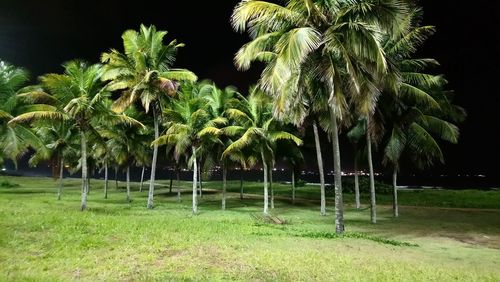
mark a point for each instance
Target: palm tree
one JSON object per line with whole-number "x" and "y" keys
{"x": 413, "y": 129}
{"x": 355, "y": 136}
{"x": 187, "y": 116}
{"x": 292, "y": 155}
{"x": 219, "y": 101}
{"x": 75, "y": 91}
{"x": 342, "y": 36}
{"x": 143, "y": 157}
{"x": 104, "y": 157}
{"x": 16, "y": 139}
{"x": 257, "y": 130}
{"x": 144, "y": 72}
{"x": 124, "y": 143}
{"x": 418, "y": 107}
{"x": 60, "y": 143}
{"x": 78, "y": 96}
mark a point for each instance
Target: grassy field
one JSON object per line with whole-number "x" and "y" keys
{"x": 440, "y": 236}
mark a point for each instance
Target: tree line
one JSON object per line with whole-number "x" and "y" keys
{"x": 334, "y": 66}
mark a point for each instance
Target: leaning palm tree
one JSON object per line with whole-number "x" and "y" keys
{"x": 258, "y": 130}
{"x": 144, "y": 72}
{"x": 342, "y": 36}
{"x": 187, "y": 116}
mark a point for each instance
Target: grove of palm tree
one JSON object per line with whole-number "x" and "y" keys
{"x": 340, "y": 82}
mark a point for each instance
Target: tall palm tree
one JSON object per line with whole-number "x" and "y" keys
{"x": 343, "y": 36}
{"x": 219, "y": 101}
{"x": 257, "y": 130}
{"x": 418, "y": 107}
{"x": 186, "y": 117}
{"x": 144, "y": 73}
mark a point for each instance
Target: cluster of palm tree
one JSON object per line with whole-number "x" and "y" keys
{"x": 335, "y": 63}
{"x": 335, "y": 66}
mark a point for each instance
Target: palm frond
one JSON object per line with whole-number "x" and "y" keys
{"x": 255, "y": 49}
{"x": 442, "y": 128}
{"x": 35, "y": 116}
{"x": 283, "y": 135}
{"x": 395, "y": 146}
{"x": 272, "y": 16}
{"x": 179, "y": 75}
{"x": 416, "y": 95}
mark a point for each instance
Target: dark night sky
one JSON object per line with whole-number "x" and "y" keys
{"x": 40, "y": 35}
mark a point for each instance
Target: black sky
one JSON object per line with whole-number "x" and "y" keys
{"x": 40, "y": 35}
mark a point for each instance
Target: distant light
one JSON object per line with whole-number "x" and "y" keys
{"x": 4, "y": 169}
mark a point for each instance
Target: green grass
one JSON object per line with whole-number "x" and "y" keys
{"x": 427, "y": 198}
{"x": 440, "y": 236}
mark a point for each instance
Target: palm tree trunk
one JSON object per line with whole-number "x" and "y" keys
{"x": 153, "y": 163}
{"x": 88, "y": 183}
{"x": 395, "y": 207}
{"x": 105, "y": 179}
{"x": 224, "y": 186}
{"x": 271, "y": 186}
{"x": 356, "y": 181}
{"x": 83, "y": 205}
{"x": 199, "y": 178}
{"x": 339, "y": 204}
{"x": 61, "y": 177}
{"x": 293, "y": 186}
{"x": 373, "y": 203}
{"x": 266, "y": 194}
{"x": 195, "y": 181}
{"x": 319, "y": 158}
{"x": 142, "y": 178}
{"x": 128, "y": 183}
{"x": 241, "y": 184}
{"x": 116, "y": 177}
{"x": 171, "y": 183}
{"x": 172, "y": 179}
{"x": 178, "y": 184}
